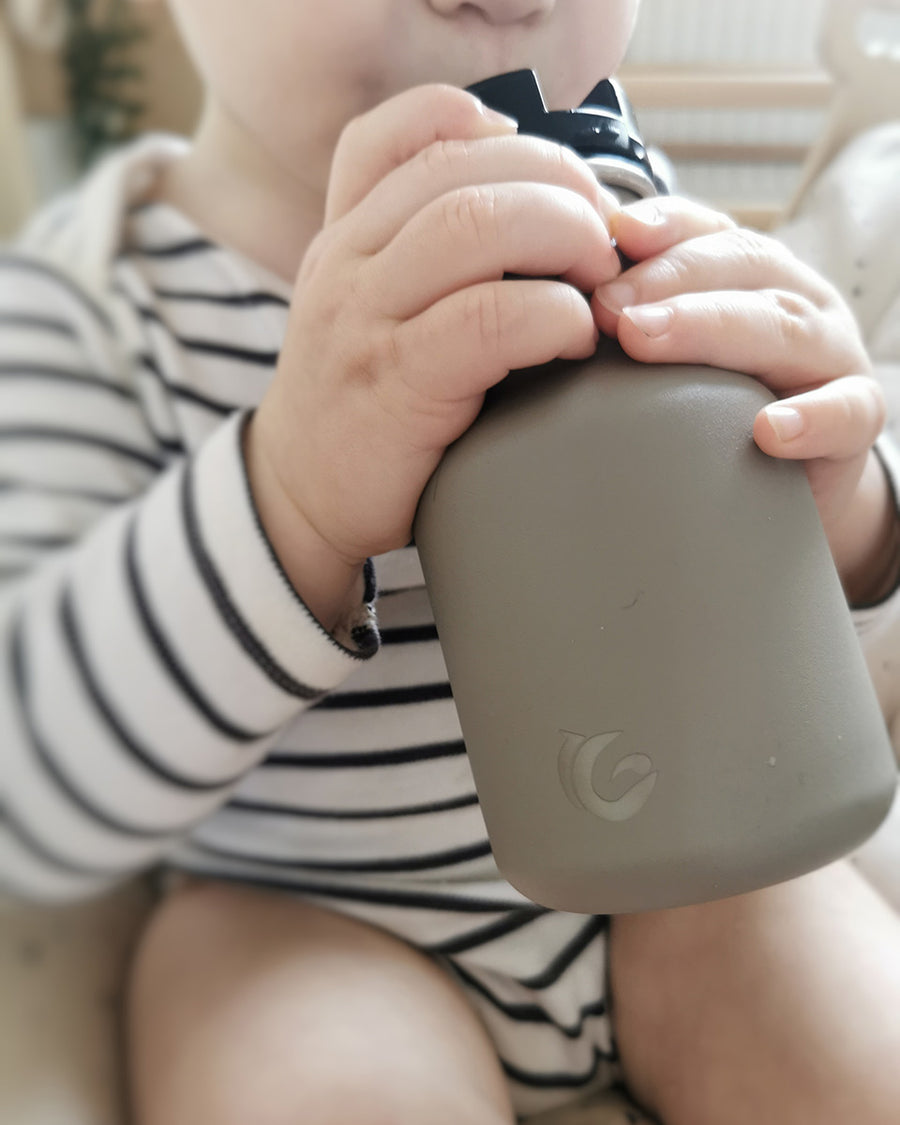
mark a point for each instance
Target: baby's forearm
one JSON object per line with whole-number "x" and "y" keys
{"x": 867, "y": 548}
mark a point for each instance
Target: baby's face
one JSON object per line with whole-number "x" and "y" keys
{"x": 293, "y": 72}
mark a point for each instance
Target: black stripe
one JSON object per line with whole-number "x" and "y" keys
{"x": 485, "y": 934}
{"x": 174, "y": 446}
{"x": 82, "y": 379}
{"x": 62, "y": 374}
{"x": 30, "y": 265}
{"x": 531, "y": 1013}
{"x": 356, "y": 867}
{"x": 60, "y": 490}
{"x": 366, "y": 758}
{"x": 126, "y": 740}
{"x": 466, "y": 801}
{"x": 79, "y": 437}
{"x": 419, "y": 900}
{"x": 569, "y": 954}
{"x": 386, "y": 697}
{"x": 228, "y": 351}
{"x": 52, "y": 767}
{"x": 18, "y": 539}
{"x": 235, "y": 300}
{"x": 209, "y": 347}
{"x": 173, "y": 249}
{"x": 43, "y": 323}
{"x": 557, "y": 1081}
{"x": 410, "y": 634}
{"x": 236, "y": 624}
{"x": 180, "y": 391}
{"x": 166, "y": 653}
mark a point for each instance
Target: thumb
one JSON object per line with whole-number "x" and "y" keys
{"x": 377, "y": 142}
{"x": 837, "y": 421}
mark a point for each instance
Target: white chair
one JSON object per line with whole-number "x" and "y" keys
{"x": 866, "y": 74}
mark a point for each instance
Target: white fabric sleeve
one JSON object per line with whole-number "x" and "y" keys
{"x": 151, "y": 646}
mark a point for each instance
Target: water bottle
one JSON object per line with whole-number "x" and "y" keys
{"x": 657, "y": 676}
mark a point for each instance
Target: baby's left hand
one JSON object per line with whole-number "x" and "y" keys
{"x": 704, "y": 291}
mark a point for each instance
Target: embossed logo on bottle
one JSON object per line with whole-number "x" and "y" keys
{"x": 578, "y": 758}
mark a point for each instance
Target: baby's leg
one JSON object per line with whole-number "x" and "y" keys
{"x": 780, "y": 1007}
{"x": 248, "y": 1007}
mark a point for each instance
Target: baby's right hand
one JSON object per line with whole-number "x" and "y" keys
{"x": 402, "y": 318}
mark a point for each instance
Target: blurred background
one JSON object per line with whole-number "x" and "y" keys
{"x": 750, "y": 99}
{"x": 76, "y": 75}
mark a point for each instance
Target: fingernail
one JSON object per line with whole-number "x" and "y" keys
{"x": 616, "y": 296}
{"x": 646, "y": 212}
{"x": 786, "y": 422}
{"x": 652, "y": 321}
{"x": 497, "y": 118}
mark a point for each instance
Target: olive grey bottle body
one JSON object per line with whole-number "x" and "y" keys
{"x": 657, "y": 676}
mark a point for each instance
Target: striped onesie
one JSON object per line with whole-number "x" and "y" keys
{"x": 165, "y": 696}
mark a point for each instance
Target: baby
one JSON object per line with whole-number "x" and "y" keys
{"x": 234, "y": 365}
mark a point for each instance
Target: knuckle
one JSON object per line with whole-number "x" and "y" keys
{"x": 794, "y": 317}
{"x": 485, "y": 316}
{"x": 669, "y": 273}
{"x": 858, "y": 415}
{"x": 471, "y": 211}
{"x": 440, "y": 156}
{"x": 756, "y": 250}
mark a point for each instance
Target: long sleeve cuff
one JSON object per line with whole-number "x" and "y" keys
{"x": 878, "y": 626}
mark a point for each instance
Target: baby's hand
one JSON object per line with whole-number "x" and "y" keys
{"x": 704, "y": 291}
{"x": 402, "y": 318}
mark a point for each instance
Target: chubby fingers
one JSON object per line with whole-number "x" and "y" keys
{"x": 651, "y": 226}
{"x": 485, "y": 331}
{"x": 431, "y": 139}
{"x": 730, "y": 259}
{"x": 838, "y": 421}
{"x": 376, "y": 142}
{"x": 452, "y": 165}
{"x": 479, "y": 233}
{"x": 784, "y": 339}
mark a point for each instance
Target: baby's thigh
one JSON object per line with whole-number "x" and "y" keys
{"x": 782, "y": 1005}
{"x": 247, "y": 1006}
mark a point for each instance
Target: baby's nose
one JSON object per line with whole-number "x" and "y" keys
{"x": 495, "y": 11}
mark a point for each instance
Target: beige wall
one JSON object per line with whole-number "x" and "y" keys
{"x": 169, "y": 89}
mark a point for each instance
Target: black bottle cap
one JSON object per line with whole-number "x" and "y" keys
{"x": 602, "y": 129}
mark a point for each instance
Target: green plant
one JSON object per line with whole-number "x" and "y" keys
{"x": 100, "y": 75}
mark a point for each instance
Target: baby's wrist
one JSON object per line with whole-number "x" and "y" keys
{"x": 330, "y": 585}
{"x": 870, "y": 566}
